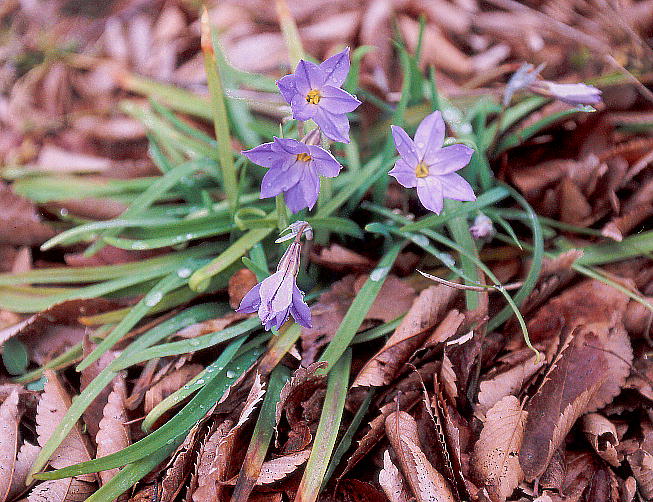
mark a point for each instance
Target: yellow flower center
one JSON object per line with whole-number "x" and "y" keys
{"x": 304, "y": 157}
{"x": 421, "y": 170}
{"x": 313, "y": 97}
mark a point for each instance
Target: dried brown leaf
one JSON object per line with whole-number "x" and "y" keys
{"x": 426, "y": 483}
{"x": 207, "y": 488}
{"x": 20, "y": 223}
{"x": 62, "y": 490}
{"x": 278, "y": 468}
{"x": 572, "y": 382}
{"x": 392, "y": 482}
{"x": 9, "y": 418}
{"x": 113, "y": 434}
{"x": 26, "y": 457}
{"x": 338, "y": 258}
{"x": 495, "y": 460}
{"x": 52, "y": 407}
{"x": 602, "y": 435}
{"x": 180, "y": 466}
{"x": 448, "y": 378}
{"x": 169, "y": 384}
{"x": 239, "y": 285}
{"x": 425, "y": 312}
{"x": 641, "y": 463}
{"x": 509, "y": 382}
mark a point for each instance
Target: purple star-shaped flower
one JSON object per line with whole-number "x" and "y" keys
{"x": 295, "y": 170}
{"x": 314, "y": 92}
{"x": 429, "y": 167}
{"x": 278, "y": 296}
{"x": 572, "y": 94}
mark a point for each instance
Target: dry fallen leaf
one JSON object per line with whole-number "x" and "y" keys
{"x": 426, "y": 483}
{"x": 9, "y": 418}
{"x": 425, "y": 312}
{"x": 62, "y": 490}
{"x": 641, "y": 463}
{"x": 26, "y": 457}
{"x": 392, "y": 482}
{"x": 495, "y": 460}
{"x": 20, "y": 223}
{"x": 207, "y": 487}
{"x": 113, "y": 433}
{"x": 169, "y": 384}
{"x": 278, "y": 468}
{"x": 602, "y": 435}
{"x": 239, "y": 285}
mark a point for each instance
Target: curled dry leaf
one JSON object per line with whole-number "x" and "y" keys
{"x": 62, "y": 490}
{"x": 239, "y": 285}
{"x": 508, "y": 383}
{"x": 26, "y": 457}
{"x": 602, "y": 435}
{"x": 9, "y": 417}
{"x": 207, "y": 488}
{"x": 338, "y": 258}
{"x": 52, "y": 407}
{"x": 180, "y": 466}
{"x": 425, "y": 312}
{"x": 392, "y": 482}
{"x": 495, "y": 461}
{"x": 394, "y": 299}
{"x": 211, "y": 326}
{"x": 113, "y": 433}
{"x": 426, "y": 483}
{"x": 278, "y": 468}
{"x": 573, "y": 381}
{"x": 20, "y": 223}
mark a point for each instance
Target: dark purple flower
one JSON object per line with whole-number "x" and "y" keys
{"x": 425, "y": 164}
{"x": 314, "y": 92}
{"x": 295, "y": 170}
{"x": 572, "y": 94}
{"x": 278, "y": 296}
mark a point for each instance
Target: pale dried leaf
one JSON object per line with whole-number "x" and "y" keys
{"x": 62, "y": 490}
{"x": 391, "y": 481}
{"x": 207, "y": 490}
{"x": 641, "y": 463}
{"x": 278, "y": 468}
{"x": 240, "y": 283}
{"x": 9, "y": 418}
{"x": 408, "y": 337}
{"x": 448, "y": 378}
{"x": 113, "y": 433}
{"x": 602, "y": 435}
{"x": 426, "y": 483}
{"x": 52, "y": 407}
{"x": 169, "y": 384}
{"x": 495, "y": 460}
{"x": 20, "y": 223}
{"x": 26, "y": 457}
{"x": 180, "y": 466}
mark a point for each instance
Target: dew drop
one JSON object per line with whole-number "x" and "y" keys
{"x": 231, "y": 374}
{"x": 447, "y": 259}
{"x": 153, "y": 298}
{"x": 63, "y": 211}
{"x": 139, "y": 245}
{"x": 189, "y": 236}
{"x": 200, "y": 381}
{"x": 184, "y": 272}
{"x": 194, "y": 343}
{"x": 379, "y": 273}
{"x": 420, "y": 240}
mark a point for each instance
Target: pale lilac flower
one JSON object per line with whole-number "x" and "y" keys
{"x": 314, "y": 92}
{"x": 425, "y": 164}
{"x": 482, "y": 228}
{"x": 572, "y": 94}
{"x": 295, "y": 170}
{"x": 520, "y": 80}
{"x": 278, "y": 297}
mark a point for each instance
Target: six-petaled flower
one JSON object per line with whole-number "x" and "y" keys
{"x": 425, "y": 164}
{"x": 278, "y": 297}
{"x": 314, "y": 92}
{"x": 294, "y": 170}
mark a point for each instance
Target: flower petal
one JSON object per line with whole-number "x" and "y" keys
{"x": 290, "y": 146}
{"x": 404, "y": 174}
{"x": 263, "y": 155}
{"x": 456, "y": 187}
{"x": 429, "y": 135}
{"x": 336, "y": 100}
{"x": 448, "y": 159}
{"x": 333, "y": 125}
{"x": 276, "y": 292}
{"x": 336, "y": 68}
{"x": 279, "y": 180}
{"x": 301, "y": 110}
{"x": 251, "y": 301}
{"x": 324, "y": 163}
{"x": 429, "y": 191}
{"x": 404, "y": 145}
{"x": 287, "y": 87}
{"x": 308, "y": 76}
{"x": 299, "y": 310}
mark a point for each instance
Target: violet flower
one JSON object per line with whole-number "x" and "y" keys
{"x": 295, "y": 170}
{"x": 277, "y": 297}
{"x": 425, "y": 164}
{"x": 314, "y": 92}
{"x": 482, "y": 228}
{"x": 520, "y": 80}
